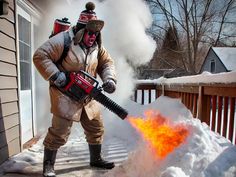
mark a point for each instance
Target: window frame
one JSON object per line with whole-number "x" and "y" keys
{"x": 212, "y": 63}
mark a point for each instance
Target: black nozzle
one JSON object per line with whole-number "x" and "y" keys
{"x": 108, "y": 103}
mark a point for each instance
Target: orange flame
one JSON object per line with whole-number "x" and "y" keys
{"x": 158, "y": 131}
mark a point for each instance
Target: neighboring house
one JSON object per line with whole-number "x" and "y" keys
{"x": 17, "y": 78}
{"x": 220, "y": 59}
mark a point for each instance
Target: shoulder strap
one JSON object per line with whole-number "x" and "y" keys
{"x": 67, "y": 42}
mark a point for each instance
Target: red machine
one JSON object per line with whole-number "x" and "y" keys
{"x": 79, "y": 88}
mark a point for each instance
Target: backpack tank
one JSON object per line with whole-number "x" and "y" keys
{"x": 59, "y": 26}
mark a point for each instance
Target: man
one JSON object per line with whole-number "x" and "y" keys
{"x": 85, "y": 53}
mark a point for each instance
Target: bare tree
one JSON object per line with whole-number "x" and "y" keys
{"x": 200, "y": 23}
{"x": 228, "y": 6}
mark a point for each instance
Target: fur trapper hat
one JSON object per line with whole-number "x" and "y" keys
{"x": 94, "y": 25}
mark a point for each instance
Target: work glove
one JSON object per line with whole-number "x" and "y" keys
{"x": 109, "y": 86}
{"x": 59, "y": 79}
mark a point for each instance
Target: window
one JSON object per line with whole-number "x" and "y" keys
{"x": 25, "y": 52}
{"x": 213, "y": 66}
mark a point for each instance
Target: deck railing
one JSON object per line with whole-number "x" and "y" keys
{"x": 213, "y": 104}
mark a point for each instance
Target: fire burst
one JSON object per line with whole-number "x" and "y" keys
{"x": 158, "y": 131}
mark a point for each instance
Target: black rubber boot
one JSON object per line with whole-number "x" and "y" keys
{"x": 48, "y": 162}
{"x": 95, "y": 158}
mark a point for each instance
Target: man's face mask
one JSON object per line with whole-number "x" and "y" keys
{"x": 89, "y": 38}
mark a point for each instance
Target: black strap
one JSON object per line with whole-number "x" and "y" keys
{"x": 67, "y": 42}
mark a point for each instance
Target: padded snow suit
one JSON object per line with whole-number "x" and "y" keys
{"x": 65, "y": 110}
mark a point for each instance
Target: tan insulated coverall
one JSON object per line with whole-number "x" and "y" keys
{"x": 64, "y": 109}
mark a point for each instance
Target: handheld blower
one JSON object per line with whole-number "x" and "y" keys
{"x": 78, "y": 88}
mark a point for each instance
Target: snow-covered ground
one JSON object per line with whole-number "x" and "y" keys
{"x": 203, "y": 154}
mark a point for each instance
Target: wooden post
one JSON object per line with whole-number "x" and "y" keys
{"x": 213, "y": 123}
{"x": 149, "y": 95}
{"x": 195, "y": 106}
{"x": 135, "y": 95}
{"x": 225, "y": 118}
{"x": 163, "y": 90}
{"x": 191, "y": 102}
{"x": 204, "y": 103}
{"x": 199, "y": 103}
{"x": 158, "y": 91}
{"x": 184, "y": 98}
{"x": 142, "y": 96}
{"x": 231, "y": 119}
{"x": 219, "y": 117}
{"x": 187, "y": 100}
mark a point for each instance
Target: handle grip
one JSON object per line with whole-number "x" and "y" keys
{"x": 90, "y": 77}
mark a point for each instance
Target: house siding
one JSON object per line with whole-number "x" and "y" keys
{"x": 219, "y": 67}
{"x": 9, "y": 109}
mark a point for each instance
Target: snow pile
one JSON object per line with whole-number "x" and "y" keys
{"x": 25, "y": 162}
{"x": 204, "y": 154}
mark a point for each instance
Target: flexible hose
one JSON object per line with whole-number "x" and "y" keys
{"x": 111, "y": 105}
